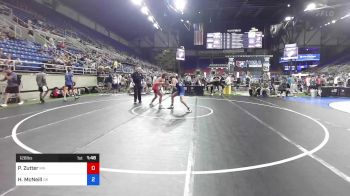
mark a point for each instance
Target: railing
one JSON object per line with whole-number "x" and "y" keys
{"x": 48, "y": 34}
{"x": 5, "y": 10}
{"x": 70, "y": 34}
{"x": 75, "y": 42}
{"x": 19, "y": 21}
{"x": 11, "y": 25}
{"x": 20, "y": 66}
{"x": 21, "y": 28}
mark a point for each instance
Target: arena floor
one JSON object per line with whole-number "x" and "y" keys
{"x": 237, "y": 146}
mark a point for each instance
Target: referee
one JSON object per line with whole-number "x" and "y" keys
{"x": 137, "y": 78}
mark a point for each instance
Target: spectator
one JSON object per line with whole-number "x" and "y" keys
{"x": 42, "y": 84}
{"x": 308, "y": 83}
{"x": 52, "y": 43}
{"x": 116, "y": 82}
{"x": 45, "y": 48}
{"x": 336, "y": 80}
{"x": 109, "y": 82}
{"x": 56, "y": 93}
{"x": 284, "y": 87}
{"x": 11, "y": 36}
{"x": 2, "y": 57}
{"x": 69, "y": 85}
{"x": 30, "y": 28}
{"x": 13, "y": 83}
{"x": 9, "y": 62}
{"x": 318, "y": 82}
{"x": 3, "y": 36}
{"x": 348, "y": 81}
{"x": 149, "y": 83}
{"x": 61, "y": 45}
{"x": 188, "y": 80}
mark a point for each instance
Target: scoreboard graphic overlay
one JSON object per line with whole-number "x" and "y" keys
{"x": 57, "y": 169}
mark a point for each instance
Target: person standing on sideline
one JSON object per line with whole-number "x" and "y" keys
{"x": 69, "y": 85}
{"x": 42, "y": 84}
{"x": 12, "y": 87}
{"x": 115, "y": 83}
{"x": 137, "y": 78}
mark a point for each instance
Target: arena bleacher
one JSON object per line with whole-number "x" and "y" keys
{"x": 80, "y": 42}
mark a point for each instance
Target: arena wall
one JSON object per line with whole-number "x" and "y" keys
{"x": 29, "y": 87}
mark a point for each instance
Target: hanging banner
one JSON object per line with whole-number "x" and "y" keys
{"x": 198, "y": 34}
{"x": 180, "y": 54}
{"x": 290, "y": 52}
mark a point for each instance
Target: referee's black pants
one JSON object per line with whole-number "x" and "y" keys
{"x": 137, "y": 92}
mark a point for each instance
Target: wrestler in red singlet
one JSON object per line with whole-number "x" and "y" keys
{"x": 156, "y": 89}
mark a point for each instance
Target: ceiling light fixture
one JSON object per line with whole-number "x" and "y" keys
{"x": 310, "y": 7}
{"x": 144, "y": 10}
{"x": 156, "y": 25}
{"x": 180, "y": 5}
{"x": 137, "y": 2}
{"x": 289, "y": 18}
